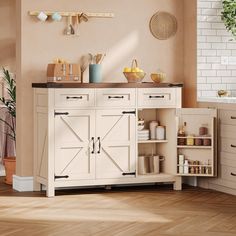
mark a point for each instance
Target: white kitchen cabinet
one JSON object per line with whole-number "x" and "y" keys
{"x": 115, "y": 152}
{"x": 74, "y": 149}
{"x": 97, "y": 144}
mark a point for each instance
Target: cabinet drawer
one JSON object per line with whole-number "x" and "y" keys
{"x": 157, "y": 97}
{"x": 228, "y": 145}
{"x": 74, "y": 98}
{"x": 228, "y": 117}
{"x": 228, "y": 173}
{"x": 228, "y": 131}
{"x": 228, "y": 159}
{"x": 115, "y": 97}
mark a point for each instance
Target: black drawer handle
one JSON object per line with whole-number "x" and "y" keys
{"x": 131, "y": 173}
{"x": 128, "y": 112}
{"x": 99, "y": 145}
{"x": 233, "y": 117}
{"x": 116, "y": 97}
{"x": 61, "y": 113}
{"x": 161, "y": 96}
{"x": 233, "y": 174}
{"x": 233, "y": 146}
{"x": 62, "y": 177}
{"x": 68, "y": 97}
{"x": 93, "y": 151}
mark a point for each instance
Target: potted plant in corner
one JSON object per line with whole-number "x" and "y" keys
{"x": 9, "y": 103}
{"x": 228, "y": 15}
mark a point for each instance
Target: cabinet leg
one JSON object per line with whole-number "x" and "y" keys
{"x": 50, "y": 191}
{"x": 178, "y": 184}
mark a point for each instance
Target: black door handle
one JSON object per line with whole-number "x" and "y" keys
{"x": 233, "y": 117}
{"x": 61, "y": 113}
{"x": 129, "y": 173}
{"x": 160, "y": 96}
{"x": 93, "y": 145}
{"x": 68, "y": 97}
{"x": 99, "y": 145}
{"x": 233, "y": 146}
{"x": 233, "y": 174}
{"x": 118, "y": 97}
{"x": 61, "y": 177}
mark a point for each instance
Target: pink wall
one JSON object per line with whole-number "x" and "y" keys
{"x": 8, "y": 34}
{"x": 123, "y": 38}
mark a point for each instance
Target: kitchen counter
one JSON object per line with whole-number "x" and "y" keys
{"x": 106, "y": 85}
{"x": 217, "y": 99}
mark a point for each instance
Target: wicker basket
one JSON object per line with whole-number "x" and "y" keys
{"x": 134, "y": 77}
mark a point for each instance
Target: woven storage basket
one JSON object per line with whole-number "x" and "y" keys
{"x": 134, "y": 77}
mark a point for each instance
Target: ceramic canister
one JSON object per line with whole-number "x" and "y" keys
{"x": 160, "y": 132}
{"x": 152, "y": 127}
{"x": 143, "y": 165}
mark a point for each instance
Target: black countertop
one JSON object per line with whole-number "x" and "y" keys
{"x": 106, "y": 85}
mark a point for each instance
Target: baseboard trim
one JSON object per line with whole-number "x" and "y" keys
{"x": 23, "y": 184}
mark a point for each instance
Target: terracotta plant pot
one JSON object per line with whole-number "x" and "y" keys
{"x": 10, "y": 167}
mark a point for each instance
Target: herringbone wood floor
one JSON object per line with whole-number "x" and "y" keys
{"x": 148, "y": 211}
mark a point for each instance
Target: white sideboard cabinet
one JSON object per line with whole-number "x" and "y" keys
{"x": 87, "y": 136}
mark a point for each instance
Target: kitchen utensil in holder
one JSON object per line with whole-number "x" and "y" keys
{"x": 95, "y": 73}
{"x": 134, "y": 77}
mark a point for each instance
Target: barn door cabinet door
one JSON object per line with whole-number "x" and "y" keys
{"x": 115, "y": 142}
{"x": 74, "y": 144}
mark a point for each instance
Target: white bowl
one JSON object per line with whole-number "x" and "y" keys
{"x": 140, "y": 127}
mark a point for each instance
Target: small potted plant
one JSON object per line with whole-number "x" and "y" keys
{"x": 229, "y": 15}
{"x": 9, "y": 104}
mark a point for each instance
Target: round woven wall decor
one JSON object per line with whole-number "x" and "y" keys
{"x": 163, "y": 25}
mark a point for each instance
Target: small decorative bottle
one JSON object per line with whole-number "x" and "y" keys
{"x": 186, "y": 167}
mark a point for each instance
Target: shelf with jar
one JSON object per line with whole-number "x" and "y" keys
{"x": 196, "y": 143}
{"x": 187, "y": 166}
{"x": 154, "y": 133}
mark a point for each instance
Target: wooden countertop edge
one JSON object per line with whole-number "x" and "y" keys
{"x": 106, "y": 85}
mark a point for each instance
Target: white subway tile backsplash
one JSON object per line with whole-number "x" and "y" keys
{"x": 213, "y": 39}
{"x": 208, "y": 12}
{"x": 214, "y": 43}
{"x": 210, "y": 93}
{"x": 213, "y": 80}
{"x": 218, "y": 45}
{"x": 204, "y": 66}
{"x": 229, "y": 80}
{"x": 201, "y": 59}
{"x": 223, "y": 73}
{"x": 209, "y": 52}
{"x": 219, "y": 86}
{"x": 213, "y": 60}
{"x": 218, "y": 25}
{"x": 224, "y": 52}
{"x": 208, "y": 73}
{"x": 204, "y": 87}
{"x": 208, "y": 32}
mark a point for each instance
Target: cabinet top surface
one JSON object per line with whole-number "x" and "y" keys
{"x": 106, "y": 85}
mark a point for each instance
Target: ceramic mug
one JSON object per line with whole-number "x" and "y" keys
{"x": 42, "y": 16}
{"x": 56, "y": 16}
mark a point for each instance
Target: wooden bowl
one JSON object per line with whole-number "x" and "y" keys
{"x": 158, "y": 77}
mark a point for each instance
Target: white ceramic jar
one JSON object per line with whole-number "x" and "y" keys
{"x": 152, "y": 127}
{"x": 160, "y": 132}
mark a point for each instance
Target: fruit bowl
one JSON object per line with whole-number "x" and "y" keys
{"x": 134, "y": 77}
{"x": 158, "y": 77}
{"x": 134, "y": 74}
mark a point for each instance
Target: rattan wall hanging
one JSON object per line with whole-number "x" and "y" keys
{"x": 163, "y": 25}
